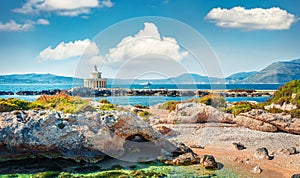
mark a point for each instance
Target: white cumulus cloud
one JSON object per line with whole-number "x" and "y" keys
{"x": 14, "y": 26}
{"x": 147, "y": 41}
{"x": 63, "y": 7}
{"x": 252, "y": 19}
{"x": 71, "y": 49}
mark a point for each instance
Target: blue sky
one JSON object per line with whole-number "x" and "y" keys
{"x": 48, "y": 36}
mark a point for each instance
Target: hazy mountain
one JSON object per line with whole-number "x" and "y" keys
{"x": 277, "y": 72}
{"x": 38, "y": 78}
{"x": 185, "y": 78}
{"x": 238, "y": 77}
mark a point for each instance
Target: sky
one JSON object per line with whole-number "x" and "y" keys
{"x": 146, "y": 38}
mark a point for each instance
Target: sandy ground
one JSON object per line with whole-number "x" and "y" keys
{"x": 217, "y": 140}
{"x": 242, "y": 162}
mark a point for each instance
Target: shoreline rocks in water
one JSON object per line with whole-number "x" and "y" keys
{"x": 89, "y": 92}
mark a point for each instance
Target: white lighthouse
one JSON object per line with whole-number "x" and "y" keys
{"x": 96, "y": 81}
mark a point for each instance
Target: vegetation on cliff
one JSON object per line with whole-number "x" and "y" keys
{"x": 289, "y": 93}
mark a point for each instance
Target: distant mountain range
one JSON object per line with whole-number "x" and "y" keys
{"x": 38, "y": 78}
{"x": 277, "y": 72}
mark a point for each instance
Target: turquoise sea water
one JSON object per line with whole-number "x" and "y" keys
{"x": 143, "y": 100}
{"x": 38, "y": 87}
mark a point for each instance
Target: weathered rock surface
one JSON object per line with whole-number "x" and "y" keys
{"x": 288, "y": 151}
{"x": 254, "y": 124}
{"x": 88, "y": 136}
{"x": 256, "y": 170}
{"x": 197, "y": 113}
{"x": 296, "y": 176}
{"x": 164, "y": 129}
{"x": 208, "y": 162}
{"x": 264, "y": 121}
{"x": 262, "y": 153}
{"x": 238, "y": 146}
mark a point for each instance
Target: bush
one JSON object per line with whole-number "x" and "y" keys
{"x": 62, "y": 102}
{"x": 11, "y": 104}
{"x": 104, "y": 101}
{"x": 295, "y": 113}
{"x": 141, "y": 106}
{"x": 144, "y": 113}
{"x": 284, "y": 94}
{"x": 214, "y": 100}
{"x": 241, "y": 107}
{"x": 107, "y": 107}
{"x": 169, "y": 105}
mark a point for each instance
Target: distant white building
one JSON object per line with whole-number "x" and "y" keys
{"x": 96, "y": 81}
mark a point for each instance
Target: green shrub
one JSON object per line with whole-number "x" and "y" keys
{"x": 295, "y": 113}
{"x": 141, "y": 106}
{"x": 284, "y": 94}
{"x": 107, "y": 107}
{"x": 169, "y": 105}
{"x": 144, "y": 113}
{"x": 11, "y": 104}
{"x": 241, "y": 107}
{"x": 62, "y": 102}
{"x": 214, "y": 100}
{"x": 104, "y": 101}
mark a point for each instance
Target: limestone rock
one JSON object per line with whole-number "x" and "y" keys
{"x": 164, "y": 129}
{"x": 184, "y": 160}
{"x": 197, "y": 113}
{"x": 238, "y": 146}
{"x": 208, "y": 162}
{"x": 261, "y": 153}
{"x": 257, "y": 170}
{"x": 288, "y": 151}
{"x": 88, "y": 136}
{"x": 255, "y": 124}
{"x": 258, "y": 119}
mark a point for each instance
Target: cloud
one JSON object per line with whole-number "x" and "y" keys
{"x": 84, "y": 48}
{"x": 252, "y": 19}
{"x": 29, "y": 25}
{"x": 62, "y": 7}
{"x": 147, "y": 41}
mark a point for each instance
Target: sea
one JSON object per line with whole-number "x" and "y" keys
{"x": 143, "y": 100}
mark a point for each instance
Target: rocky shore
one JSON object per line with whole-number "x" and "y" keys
{"x": 88, "y": 92}
{"x": 261, "y": 144}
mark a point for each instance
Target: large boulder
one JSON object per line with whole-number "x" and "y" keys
{"x": 255, "y": 124}
{"x": 258, "y": 119}
{"x": 88, "y": 136}
{"x": 197, "y": 113}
